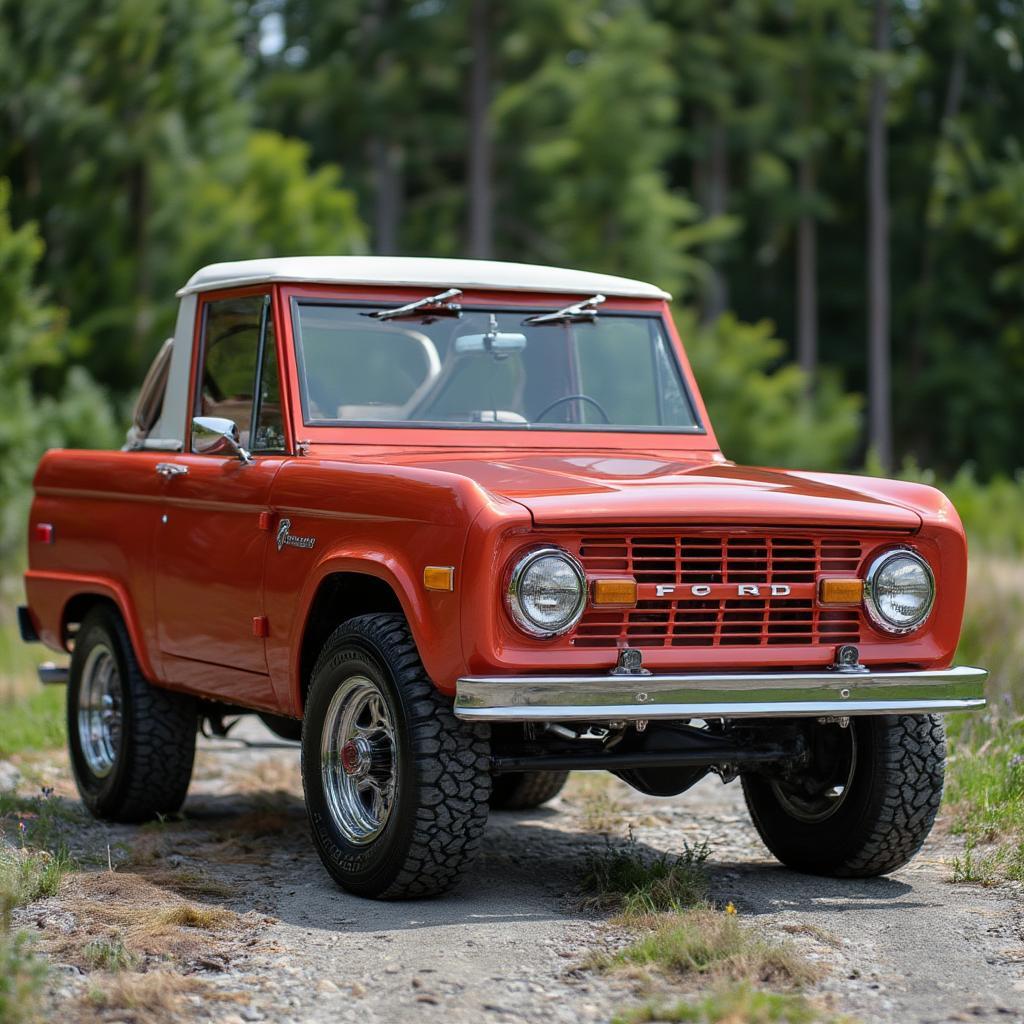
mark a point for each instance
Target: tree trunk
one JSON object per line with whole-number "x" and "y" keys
{"x": 715, "y": 201}
{"x": 389, "y": 187}
{"x": 879, "y": 355}
{"x": 385, "y": 151}
{"x": 481, "y": 230}
{"x": 950, "y": 113}
{"x": 807, "y": 275}
{"x": 807, "y": 247}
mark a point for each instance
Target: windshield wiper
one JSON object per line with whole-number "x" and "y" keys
{"x": 585, "y": 310}
{"x": 437, "y": 305}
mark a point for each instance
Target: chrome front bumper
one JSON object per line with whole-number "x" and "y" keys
{"x": 609, "y": 698}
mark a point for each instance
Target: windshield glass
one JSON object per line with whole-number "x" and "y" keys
{"x": 488, "y": 368}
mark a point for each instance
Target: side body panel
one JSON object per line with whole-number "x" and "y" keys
{"x": 105, "y": 509}
{"x": 384, "y": 522}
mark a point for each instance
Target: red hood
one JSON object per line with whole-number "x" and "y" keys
{"x": 561, "y": 489}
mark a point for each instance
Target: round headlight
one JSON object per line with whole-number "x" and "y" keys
{"x": 899, "y": 591}
{"x": 547, "y": 592}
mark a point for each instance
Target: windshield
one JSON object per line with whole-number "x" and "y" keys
{"x": 488, "y": 368}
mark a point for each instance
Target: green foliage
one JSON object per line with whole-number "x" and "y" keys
{"x": 762, "y": 412}
{"x": 27, "y": 875}
{"x": 22, "y": 977}
{"x": 34, "y": 722}
{"x": 710, "y": 942}
{"x": 41, "y": 406}
{"x": 626, "y": 881}
{"x": 992, "y": 511}
{"x": 108, "y": 953}
{"x": 734, "y": 1004}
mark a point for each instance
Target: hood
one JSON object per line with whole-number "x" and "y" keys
{"x": 580, "y": 489}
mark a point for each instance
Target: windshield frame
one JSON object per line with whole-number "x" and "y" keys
{"x": 499, "y": 305}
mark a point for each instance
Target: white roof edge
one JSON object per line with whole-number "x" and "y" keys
{"x": 417, "y": 272}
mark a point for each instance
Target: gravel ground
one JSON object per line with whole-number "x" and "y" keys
{"x": 507, "y": 945}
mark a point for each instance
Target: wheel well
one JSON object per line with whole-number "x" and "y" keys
{"x": 76, "y": 610}
{"x": 339, "y": 597}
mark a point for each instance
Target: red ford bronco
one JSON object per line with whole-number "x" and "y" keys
{"x": 463, "y": 527}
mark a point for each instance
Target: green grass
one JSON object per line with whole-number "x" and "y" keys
{"x": 985, "y": 775}
{"x": 108, "y": 953}
{"x": 27, "y": 875}
{"x": 22, "y": 977}
{"x": 35, "y": 722}
{"x": 623, "y": 880}
{"x": 704, "y": 941}
{"x": 735, "y": 1004}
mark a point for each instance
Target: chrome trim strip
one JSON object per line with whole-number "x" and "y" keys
{"x": 739, "y": 695}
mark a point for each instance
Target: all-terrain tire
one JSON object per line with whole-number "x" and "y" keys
{"x": 521, "y": 791}
{"x": 441, "y": 777}
{"x": 884, "y": 818}
{"x": 153, "y": 755}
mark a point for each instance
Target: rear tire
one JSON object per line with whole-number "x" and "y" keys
{"x": 396, "y": 786}
{"x": 522, "y": 791}
{"x": 891, "y": 776}
{"x": 132, "y": 745}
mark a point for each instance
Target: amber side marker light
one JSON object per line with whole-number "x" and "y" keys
{"x": 618, "y": 592}
{"x": 439, "y": 577}
{"x": 840, "y": 591}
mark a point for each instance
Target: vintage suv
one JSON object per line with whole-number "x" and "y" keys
{"x": 464, "y": 526}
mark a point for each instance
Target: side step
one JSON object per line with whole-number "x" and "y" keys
{"x": 53, "y": 675}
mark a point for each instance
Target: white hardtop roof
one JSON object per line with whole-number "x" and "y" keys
{"x": 417, "y": 272}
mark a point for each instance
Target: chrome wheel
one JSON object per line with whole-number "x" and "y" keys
{"x": 99, "y": 711}
{"x": 820, "y": 791}
{"x": 358, "y": 760}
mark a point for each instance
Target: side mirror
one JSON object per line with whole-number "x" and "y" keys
{"x": 213, "y": 435}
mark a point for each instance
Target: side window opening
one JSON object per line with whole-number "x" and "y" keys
{"x": 150, "y": 403}
{"x": 239, "y": 380}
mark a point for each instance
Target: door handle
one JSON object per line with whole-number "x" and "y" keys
{"x": 169, "y": 469}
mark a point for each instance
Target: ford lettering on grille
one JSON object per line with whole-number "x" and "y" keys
{"x": 704, "y": 588}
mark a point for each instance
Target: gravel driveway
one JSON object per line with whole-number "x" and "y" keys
{"x": 507, "y": 945}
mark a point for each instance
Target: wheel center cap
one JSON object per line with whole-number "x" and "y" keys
{"x": 354, "y": 757}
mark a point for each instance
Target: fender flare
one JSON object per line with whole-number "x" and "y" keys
{"x": 75, "y": 585}
{"x": 379, "y": 564}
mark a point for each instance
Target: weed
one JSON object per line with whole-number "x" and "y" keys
{"x": 108, "y": 954}
{"x": 22, "y": 976}
{"x": 1003, "y": 862}
{"x": 733, "y": 1005}
{"x": 625, "y": 881}
{"x": 705, "y": 941}
{"x": 27, "y": 875}
{"x": 156, "y": 992}
{"x": 41, "y": 821}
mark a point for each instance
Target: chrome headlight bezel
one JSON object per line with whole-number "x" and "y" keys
{"x": 515, "y": 608}
{"x": 875, "y": 614}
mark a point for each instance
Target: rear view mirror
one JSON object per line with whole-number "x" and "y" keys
{"x": 213, "y": 435}
{"x": 492, "y": 341}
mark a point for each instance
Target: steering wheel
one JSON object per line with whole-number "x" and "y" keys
{"x": 572, "y": 398}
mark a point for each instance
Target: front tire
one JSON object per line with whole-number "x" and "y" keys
{"x": 132, "y": 745}
{"x": 864, "y": 805}
{"x": 396, "y": 786}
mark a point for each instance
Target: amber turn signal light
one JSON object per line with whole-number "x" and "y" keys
{"x": 613, "y": 592}
{"x": 439, "y": 577}
{"x": 840, "y": 591}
